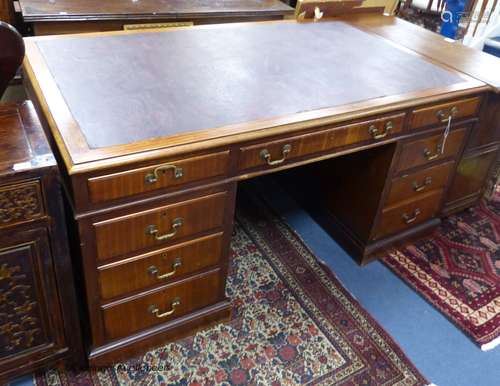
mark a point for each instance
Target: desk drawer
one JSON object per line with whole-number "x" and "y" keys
{"x": 20, "y": 203}
{"x": 156, "y": 307}
{"x": 158, "y": 176}
{"x": 408, "y": 213}
{"x": 271, "y": 154}
{"x": 159, "y": 226}
{"x": 413, "y": 185}
{"x": 426, "y": 150}
{"x": 438, "y": 114}
{"x": 159, "y": 267}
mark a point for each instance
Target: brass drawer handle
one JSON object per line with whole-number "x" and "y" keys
{"x": 376, "y": 135}
{"x": 409, "y": 219}
{"x": 421, "y": 187}
{"x": 153, "y": 309}
{"x": 153, "y": 270}
{"x": 430, "y": 156}
{"x": 153, "y": 230}
{"x": 151, "y": 178}
{"x": 266, "y": 156}
{"x": 444, "y": 116}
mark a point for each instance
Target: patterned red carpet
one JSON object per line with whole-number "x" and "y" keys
{"x": 457, "y": 269}
{"x": 293, "y": 324}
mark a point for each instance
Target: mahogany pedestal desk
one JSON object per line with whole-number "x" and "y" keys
{"x": 152, "y": 150}
{"x": 77, "y": 16}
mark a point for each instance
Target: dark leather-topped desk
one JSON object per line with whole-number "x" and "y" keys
{"x": 75, "y": 16}
{"x": 153, "y": 149}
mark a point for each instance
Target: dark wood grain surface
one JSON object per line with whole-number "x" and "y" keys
{"x": 22, "y": 147}
{"x": 39, "y": 320}
{"x": 193, "y": 293}
{"x": 414, "y": 152}
{"x": 39, "y": 10}
{"x": 417, "y": 183}
{"x": 408, "y": 213}
{"x": 129, "y": 233}
{"x": 6, "y": 11}
{"x": 161, "y": 266}
{"x": 193, "y": 79}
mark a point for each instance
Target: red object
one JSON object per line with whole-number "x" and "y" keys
{"x": 457, "y": 269}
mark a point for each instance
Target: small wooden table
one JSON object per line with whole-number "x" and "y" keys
{"x": 76, "y": 16}
{"x": 152, "y": 151}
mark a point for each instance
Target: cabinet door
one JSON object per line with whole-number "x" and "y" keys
{"x": 30, "y": 317}
{"x": 471, "y": 175}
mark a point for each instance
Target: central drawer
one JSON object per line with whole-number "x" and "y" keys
{"x": 158, "y": 226}
{"x": 156, "y": 307}
{"x": 159, "y": 267}
{"x": 275, "y": 153}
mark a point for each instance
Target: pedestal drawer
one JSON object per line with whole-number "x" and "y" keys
{"x": 430, "y": 149}
{"x": 159, "y": 176}
{"x": 439, "y": 114}
{"x": 416, "y": 184}
{"x": 160, "y": 306}
{"x": 408, "y": 213}
{"x": 158, "y": 226}
{"x": 159, "y": 267}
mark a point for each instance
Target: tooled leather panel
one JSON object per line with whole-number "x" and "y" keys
{"x": 126, "y": 88}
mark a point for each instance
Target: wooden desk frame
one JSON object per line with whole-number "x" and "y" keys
{"x": 81, "y": 165}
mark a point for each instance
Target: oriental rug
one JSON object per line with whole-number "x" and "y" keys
{"x": 293, "y": 324}
{"x": 457, "y": 269}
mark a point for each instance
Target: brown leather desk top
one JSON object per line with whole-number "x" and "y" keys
{"x": 473, "y": 62}
{"x": 65, "y": 10}
{"x": 183, "y": 81}
{"x": 163, "y": 89}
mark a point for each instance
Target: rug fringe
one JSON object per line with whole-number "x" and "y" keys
{"x": 491, "y": 345}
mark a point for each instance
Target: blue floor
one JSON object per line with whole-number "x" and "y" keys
{"x": 437, "y": 348}
{"x": 24, "y": 381}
